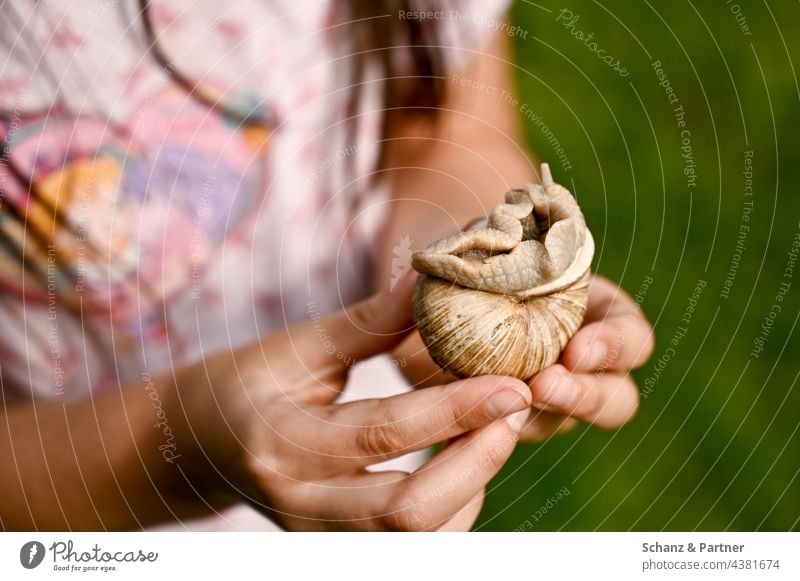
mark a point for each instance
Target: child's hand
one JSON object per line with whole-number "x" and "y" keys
{"x": 592, "y": 382}
{"x": 272, "y": 424}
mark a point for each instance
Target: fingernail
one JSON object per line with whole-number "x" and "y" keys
{"x": 598, "y": 352}
{"x": 505, "y": 402}
{"x": 518, "y": 420}
{"x": 563, "y": 391}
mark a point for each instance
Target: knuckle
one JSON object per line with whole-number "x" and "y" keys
{"x": 455, "y": 414}
{"x": 381, "y": 438}
{"x": 377, "y": 440}
{"x": 364, "y": 314}
{"x": 407, "y": 516}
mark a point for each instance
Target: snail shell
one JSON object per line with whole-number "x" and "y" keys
{"x": 505, "y": 296}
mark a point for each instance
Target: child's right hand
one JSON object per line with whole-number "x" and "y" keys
{"x": 269, "y": 425}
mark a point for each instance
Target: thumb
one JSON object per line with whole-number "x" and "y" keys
{"x": 368, "y": 328}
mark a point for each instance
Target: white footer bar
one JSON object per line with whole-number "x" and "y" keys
{"x": 406, "y": 557}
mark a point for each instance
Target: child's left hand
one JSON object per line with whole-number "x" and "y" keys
{"x": 591, "y": 383}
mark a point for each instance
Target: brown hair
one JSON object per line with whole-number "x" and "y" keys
{"x": 382, "y": 35}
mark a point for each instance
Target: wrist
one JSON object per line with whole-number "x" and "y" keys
{"x": 217, "y": 416}
{"x": 195, "y": 445}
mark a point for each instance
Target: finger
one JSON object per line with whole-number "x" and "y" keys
{"x": 465, "y": 518}
{"x": 440, "y": 493}
{"x": 604, "y": 400}
{"x": 365, "y": 329}
{"x": 361, "y": 502}
{"x": 346, "y": 502}
{"x": 607, "y": 299}
{"x": 543, "y": 425}
{"x": 365, "y": 432}
{"x": 620, "y": 343}
{"x": 625, "y": 340}
{"x": 444, "y": 486}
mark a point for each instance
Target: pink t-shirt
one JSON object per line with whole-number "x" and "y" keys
{"x": 192, "y": 231}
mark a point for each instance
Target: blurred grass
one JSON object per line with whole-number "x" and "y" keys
{"x": 716, "y": 444}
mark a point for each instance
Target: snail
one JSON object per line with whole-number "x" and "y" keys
{"x": 504, "y": 296}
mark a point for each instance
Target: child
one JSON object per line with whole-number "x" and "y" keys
{"x": 192, "y": 192}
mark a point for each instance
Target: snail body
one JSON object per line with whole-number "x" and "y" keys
{"x": 505, "y": 296}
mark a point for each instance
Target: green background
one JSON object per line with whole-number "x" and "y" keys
{"x": 715, "y": 445}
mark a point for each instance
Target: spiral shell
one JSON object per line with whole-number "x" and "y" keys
{"x": 505, "y": 296}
